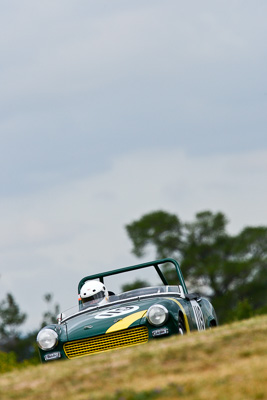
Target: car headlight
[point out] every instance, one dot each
(157, 315)
(47, 339)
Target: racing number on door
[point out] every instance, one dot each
(116, 312)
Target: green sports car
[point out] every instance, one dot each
(104, 320)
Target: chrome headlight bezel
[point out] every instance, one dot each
(47, 339)
(157, 315)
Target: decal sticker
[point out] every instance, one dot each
(125, 322)
(116, 312)
(198, 315)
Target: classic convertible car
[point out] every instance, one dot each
(105, 320)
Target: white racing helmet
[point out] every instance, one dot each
(94, 292)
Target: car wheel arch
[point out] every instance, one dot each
(212, 323)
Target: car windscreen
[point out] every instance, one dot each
(153, 290)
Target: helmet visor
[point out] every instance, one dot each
(96, 298)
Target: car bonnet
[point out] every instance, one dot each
(108, 319)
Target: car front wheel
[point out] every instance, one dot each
(181, 327)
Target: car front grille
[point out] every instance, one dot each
(109, 341)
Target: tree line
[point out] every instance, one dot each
(231, 270)
(18, 349)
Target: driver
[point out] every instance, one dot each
(94, 293)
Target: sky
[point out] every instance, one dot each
(113, 109)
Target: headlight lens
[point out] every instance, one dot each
(47, 339)
(157, 315)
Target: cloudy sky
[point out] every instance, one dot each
(110, 109)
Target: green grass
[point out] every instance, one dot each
(229, 362)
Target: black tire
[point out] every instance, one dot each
(181, 327)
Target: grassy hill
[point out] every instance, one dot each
(229, 362)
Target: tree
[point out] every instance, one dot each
(10, 318)
(228, 269)
(50, 316)
(161, 230)
(12, 341)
